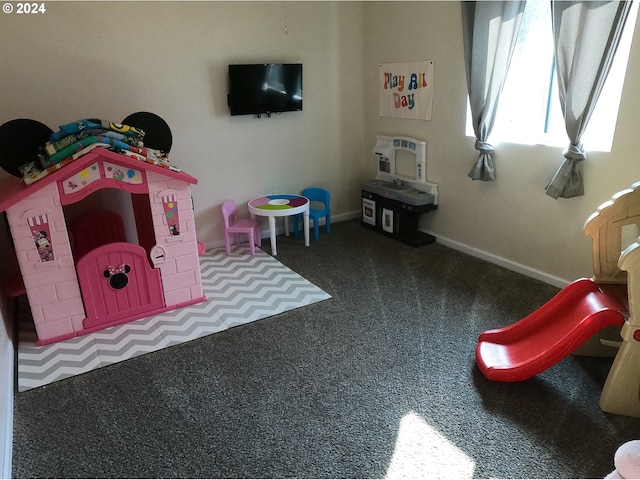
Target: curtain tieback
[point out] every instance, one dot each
(575, 153)
(484, 147)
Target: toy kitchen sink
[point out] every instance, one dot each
(393, 202)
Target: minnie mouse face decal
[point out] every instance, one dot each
(43, 245)
(117, 275)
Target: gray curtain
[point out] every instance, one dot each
(586, 36)
(490, 30)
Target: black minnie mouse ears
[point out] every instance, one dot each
(20, 140)
(157, 133)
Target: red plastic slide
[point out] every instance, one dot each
(549, 334)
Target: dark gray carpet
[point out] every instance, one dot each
(321, 391)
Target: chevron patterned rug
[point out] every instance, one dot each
(240, 288)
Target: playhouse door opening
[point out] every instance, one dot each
(118, 285)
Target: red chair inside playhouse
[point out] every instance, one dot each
(94, 230)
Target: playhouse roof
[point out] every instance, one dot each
(13, 189)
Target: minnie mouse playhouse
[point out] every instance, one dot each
(86, 276)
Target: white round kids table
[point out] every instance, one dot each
(281, 205)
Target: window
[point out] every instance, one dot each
(529, 110)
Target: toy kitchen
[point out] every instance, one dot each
(393, 202)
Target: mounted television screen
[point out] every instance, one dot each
(265, 88)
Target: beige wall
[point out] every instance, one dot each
(510, 220)
(110, 59)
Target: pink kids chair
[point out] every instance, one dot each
(319, 198)
(234, 225)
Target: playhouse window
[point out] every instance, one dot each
(628, 235)
(41, 234)
(529, 110)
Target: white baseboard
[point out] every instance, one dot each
(461, 247)
(489, 257)
(6, 400)
(334, 219)
(346, 216)
(280, 226)
(502, 262)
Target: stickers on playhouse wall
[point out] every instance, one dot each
(123, 174)
(170, 205)
(41, 234)
(91, 173)
(406, 89)
(81, 179)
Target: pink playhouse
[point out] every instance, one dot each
(86, 276)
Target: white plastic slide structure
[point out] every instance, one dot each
(608, 227)
(576, 319)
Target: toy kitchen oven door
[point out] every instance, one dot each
(369, 209)
(375, 215)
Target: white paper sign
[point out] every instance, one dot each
(406, 90)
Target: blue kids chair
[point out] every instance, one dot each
(319, 207)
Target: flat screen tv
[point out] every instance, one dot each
(265, 88)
